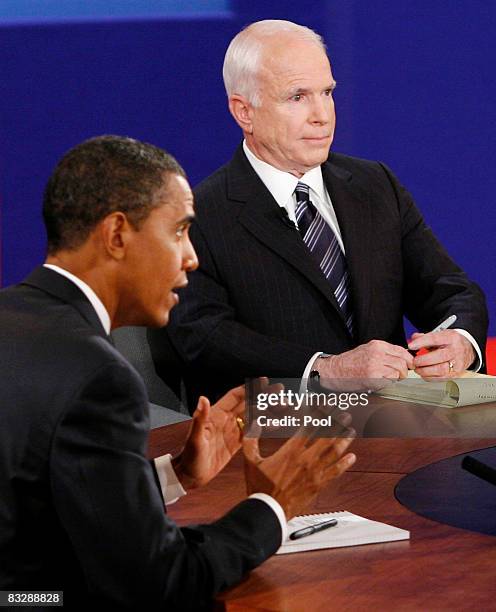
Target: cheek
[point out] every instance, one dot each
(170, 266)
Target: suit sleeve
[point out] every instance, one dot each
(205, 332)
(435, 287)
(105, 494)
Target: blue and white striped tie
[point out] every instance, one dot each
(324, 247)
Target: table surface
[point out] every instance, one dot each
(439, 568)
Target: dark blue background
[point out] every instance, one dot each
(415, 89)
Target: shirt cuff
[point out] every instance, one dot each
(476, 366)
(277, 508)
(172, 489)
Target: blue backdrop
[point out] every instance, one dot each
(415, 89)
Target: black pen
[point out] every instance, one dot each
(306, 531)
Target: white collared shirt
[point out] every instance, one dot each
(95, 301)
(281, 186)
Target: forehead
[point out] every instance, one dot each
(288, 60)
(175, 193)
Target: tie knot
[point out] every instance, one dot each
(302, 192)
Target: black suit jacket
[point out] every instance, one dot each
(79, 507)
(259, 304)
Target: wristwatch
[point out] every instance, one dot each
(314, 376)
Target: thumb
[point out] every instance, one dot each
(200, 416)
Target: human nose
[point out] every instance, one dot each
(190, 259)
(321, 111)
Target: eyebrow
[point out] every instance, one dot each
(187, 219)
(304, 90)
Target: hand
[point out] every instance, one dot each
(213, 439)
(444, 347)
(373, 361)
(298, 471)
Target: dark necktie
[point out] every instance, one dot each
(324, 247)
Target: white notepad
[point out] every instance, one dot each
(351, 530)
(465, 390)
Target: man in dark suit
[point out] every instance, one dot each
(310, 259)
(81, 509)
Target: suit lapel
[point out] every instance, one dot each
(352, 207)
(62, 288)
(265, 220)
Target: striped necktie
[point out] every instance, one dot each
(324, 247)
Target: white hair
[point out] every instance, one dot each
(242, 60)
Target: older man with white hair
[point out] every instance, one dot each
(310, 259)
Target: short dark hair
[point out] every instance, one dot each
(100, 176)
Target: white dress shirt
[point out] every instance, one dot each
(172, 489)
(281, 186)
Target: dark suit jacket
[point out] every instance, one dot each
(79, 507)
(259, 304)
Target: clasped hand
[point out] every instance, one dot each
(379, 361)
(444, 347)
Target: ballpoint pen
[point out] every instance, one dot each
(445, 324)
(306, 531)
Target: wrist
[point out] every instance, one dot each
(321, 369)
(187, 481)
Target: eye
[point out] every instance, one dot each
(180, 231)
(328, 92)
(297, 97)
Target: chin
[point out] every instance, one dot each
(157, 320)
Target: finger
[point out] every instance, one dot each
(200, 418)
(397, 351)
(337, 450)
(436, 357)
(399, 365)
(294, 446)
(433, 339)
(325, 450)
(438, 371)
(233, 400)
(339, 467)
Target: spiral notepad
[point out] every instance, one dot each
(351, 530)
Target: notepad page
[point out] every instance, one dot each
(351, 530)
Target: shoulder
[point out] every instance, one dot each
(358, 167)
(372, 179)
(53, 342)
(212, 187)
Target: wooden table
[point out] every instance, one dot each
(440, 568)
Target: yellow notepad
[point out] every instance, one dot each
(351, 530)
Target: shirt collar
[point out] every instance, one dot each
(282, 184)
(95, 301)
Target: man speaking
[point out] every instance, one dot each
(81, 509)
(308, 259)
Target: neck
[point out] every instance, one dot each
(88, 269)
(265, 155)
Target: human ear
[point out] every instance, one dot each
(241, 111)
(115, 232)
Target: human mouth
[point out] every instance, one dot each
(175, 296)
(317, 139)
